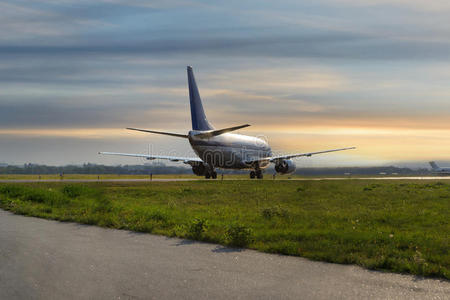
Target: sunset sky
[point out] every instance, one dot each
(308, 75)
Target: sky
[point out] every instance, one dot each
(307, 75)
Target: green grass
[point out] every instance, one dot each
(400, 226)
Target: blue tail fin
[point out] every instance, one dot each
(198, 117)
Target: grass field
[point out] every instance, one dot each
(401, 226)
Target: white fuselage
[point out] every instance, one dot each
(230, 150)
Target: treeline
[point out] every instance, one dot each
(95, 169)
(389, 170)
(160, 168)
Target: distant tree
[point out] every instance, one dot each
(161, 168)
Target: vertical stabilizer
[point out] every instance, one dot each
(198, 117)
(433, 165)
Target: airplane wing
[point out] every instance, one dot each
(281, 157)
(186, 160)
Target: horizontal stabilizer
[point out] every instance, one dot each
(208, 134)
(160, 132)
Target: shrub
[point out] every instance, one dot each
(73, 191)
(47, 210)
(158, 215)
(239, 235)
(102, 205)
(59, 200)
(37, 196)
(33, 194)
(197, 228)
(11, 191)
(178, 230)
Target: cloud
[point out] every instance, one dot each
(344, 46)
(69, 115)
(308, 74)
(431, 6)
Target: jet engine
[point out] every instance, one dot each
(199, 169)
(286, 166)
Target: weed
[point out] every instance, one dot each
(239, 235)
(158, 215)
(47, 210)
(73, 191)
(275, 211)
(12, 191)
(37, 196)
(197, 228)
(102, 205)
(178, 230)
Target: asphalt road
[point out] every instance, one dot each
(200, 178)
(42, 259)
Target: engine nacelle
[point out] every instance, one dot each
(286, 166)
(199, 169)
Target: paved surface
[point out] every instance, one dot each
(200, 178)
(42, 259)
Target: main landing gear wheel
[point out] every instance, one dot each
(212, 175)
(252, 174)
(259, 174)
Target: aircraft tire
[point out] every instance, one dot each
(259, 174)
(214, 175)
(252, 174)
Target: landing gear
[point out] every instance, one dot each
(258, 174)
(210, 174)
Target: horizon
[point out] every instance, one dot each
(307, 76)
(158, 163)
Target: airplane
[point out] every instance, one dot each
(220, 148)
(438, 170)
